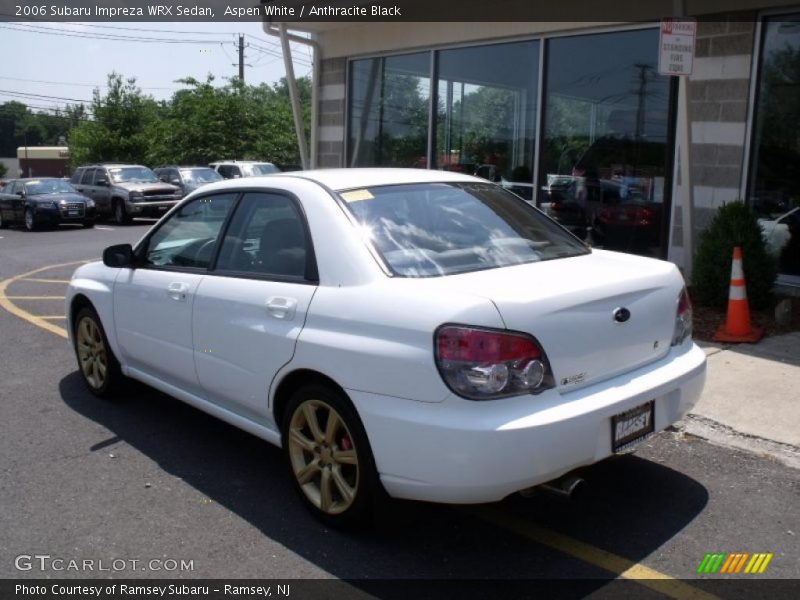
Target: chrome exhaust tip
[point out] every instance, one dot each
(565, 488)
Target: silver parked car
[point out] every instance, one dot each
(123, 192)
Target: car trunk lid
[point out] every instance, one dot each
(576, 308)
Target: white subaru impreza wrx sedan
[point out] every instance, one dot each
(420, 332)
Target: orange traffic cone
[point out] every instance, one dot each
(737, 327)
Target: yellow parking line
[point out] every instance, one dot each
(35, 297)
(7, 304)
(620, 566)
(36, 280)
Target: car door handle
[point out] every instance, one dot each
(177, 291)
(282, 307)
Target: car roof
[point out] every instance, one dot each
(110, 165)
(343, 179)
(241, 162)
(181, 167)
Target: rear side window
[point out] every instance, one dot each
(76, 176)
(434, 229)
(88, 176)
(267, 236)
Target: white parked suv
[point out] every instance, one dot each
(234, 169)
(420, 332)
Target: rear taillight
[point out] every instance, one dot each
(481, 364)
(683, 319)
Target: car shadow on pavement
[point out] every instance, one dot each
(631, 506)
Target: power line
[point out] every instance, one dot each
(278, 54)
(91, 85)
(12, 92)
(28, 18)
(100, 36)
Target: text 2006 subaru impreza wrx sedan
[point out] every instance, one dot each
(423, 331)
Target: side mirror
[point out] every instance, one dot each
(103, 182)
(162, 178)
(118, 256)
(175, 181)
(21, 193)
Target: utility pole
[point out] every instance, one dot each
(241, 58)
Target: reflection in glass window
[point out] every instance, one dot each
(775, 172)
(189, 236)
(435, 229)
(486, 112)
(604, 160)
(389, 99)
(266, 236)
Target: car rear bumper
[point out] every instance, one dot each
(461, 451)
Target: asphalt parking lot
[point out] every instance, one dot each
(147, 478)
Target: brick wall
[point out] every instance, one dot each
(719, 92)
(331, 131)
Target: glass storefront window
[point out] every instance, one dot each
(604, 160)
(389, 102)
(775, 171)
(486, 112)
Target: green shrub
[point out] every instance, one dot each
(733, 225)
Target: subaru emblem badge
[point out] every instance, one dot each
(621, 315)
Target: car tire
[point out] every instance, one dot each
(97, 364)
(3, 223)
(30, 220)
(88, 224)
(331, 464)
(120, 214)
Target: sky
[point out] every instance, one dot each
(68, 60)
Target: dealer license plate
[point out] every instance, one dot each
(72, 213)
(632, 426)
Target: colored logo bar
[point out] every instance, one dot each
(731, 563)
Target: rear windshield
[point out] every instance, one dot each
(434, 229)
(200, 175)
(260, 169)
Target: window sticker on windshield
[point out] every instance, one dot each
(356, 196)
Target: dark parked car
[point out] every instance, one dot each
(125, 191)
(44, 201)
(187, 178)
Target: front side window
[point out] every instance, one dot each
(266, 237)
(434, 229)
(189, 237)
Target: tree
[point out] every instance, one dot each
(203, 123)
(118, 131)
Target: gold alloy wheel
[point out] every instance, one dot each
(92, 352)
(323, 456)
